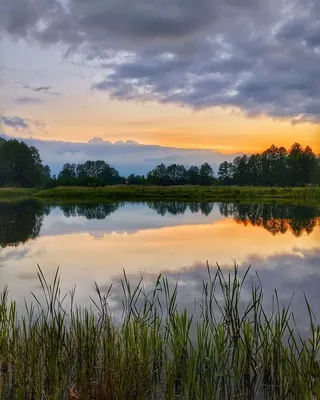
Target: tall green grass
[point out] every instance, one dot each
(293, 195)
(233, 350)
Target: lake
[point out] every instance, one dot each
(97, 242)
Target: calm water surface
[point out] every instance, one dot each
(96, 242)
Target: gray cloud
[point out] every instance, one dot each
(14, 122)
(127, 157)
(262, 57)
(40, 89)
(28, 100)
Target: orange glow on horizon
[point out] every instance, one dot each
(218, 129)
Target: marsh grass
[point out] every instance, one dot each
(60, 195)
(233, 350)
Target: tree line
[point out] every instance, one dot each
(276, 166)
(100, 173)
(21, 166)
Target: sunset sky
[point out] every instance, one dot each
(229, 75)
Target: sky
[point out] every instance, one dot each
(225, 76)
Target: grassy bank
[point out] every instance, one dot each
(309, 195)
(58, 352)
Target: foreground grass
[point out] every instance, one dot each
(297, 195)
(236, 352)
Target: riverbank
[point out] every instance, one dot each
(296, 195)
(231, 350)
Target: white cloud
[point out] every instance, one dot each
(128, 157)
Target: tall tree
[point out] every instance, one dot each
(20, 165)
(295, 164)
(68, 172)
(176, 173)
(206, 174)
(225, 173)
(193, 175)
(309, 164)
(240, 170)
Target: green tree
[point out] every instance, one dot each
(239, 167)
(309, 165)
(68, 172)
(225, 173)
(206, 174)
(316, 175)
(159, 175)
(296, 168)
(193, 175)
(20, 165)
(253, 170)
(176, 173)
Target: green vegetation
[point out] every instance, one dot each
(229, 350)
(274, 167)
(21, 166)
(304, 196)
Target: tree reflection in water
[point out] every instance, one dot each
(22, 221)
(277, 219)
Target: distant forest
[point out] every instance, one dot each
(21, 166)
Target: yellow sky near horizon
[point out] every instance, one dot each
(78, 118)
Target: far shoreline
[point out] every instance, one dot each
(309, 196)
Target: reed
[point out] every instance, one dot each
(229, 350)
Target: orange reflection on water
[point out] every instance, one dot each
(280, 225)
(88, 257)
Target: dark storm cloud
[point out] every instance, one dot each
(260, 56)
(14, 122)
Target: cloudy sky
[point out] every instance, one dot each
(226, 75)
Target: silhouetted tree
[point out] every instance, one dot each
(225, 173)
(21, 165)
(193, 175)
(136, 179)
(206, 174)
(274, 167)
(296, 165)
(68, 172)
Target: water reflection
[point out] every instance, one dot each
(277, 219)
(96, 242)
(100, 211)
(22, 221)
(291, 274)
(175, 208)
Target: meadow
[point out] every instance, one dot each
(294, 195)
(232, 350)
